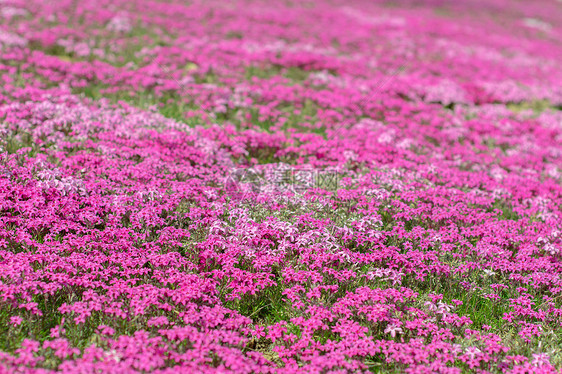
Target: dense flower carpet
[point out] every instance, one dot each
(287, 186)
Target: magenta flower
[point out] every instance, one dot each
(280, 187)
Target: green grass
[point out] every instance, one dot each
(266, 307)
(506, 208)
(293, 74)
(170, 104)
(19, 141)
(537, 106)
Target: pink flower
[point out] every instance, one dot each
(393, 329)
(540, 359)
(106, 330)
(472, 352)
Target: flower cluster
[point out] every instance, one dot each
(256, 187)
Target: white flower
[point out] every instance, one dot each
(113, 355)
(541, 240)
(443, 308)
(396, 277)
(537, 24)
(551, 249)
(217, 228)
(345, 256)
(350, 155)
(489, 273)
(472, 352)
(456, 349)
(430, 306)
(374, 234)
(119, 23)
(540, 359)
(10, 12)
(393, 330)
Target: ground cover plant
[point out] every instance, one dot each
(280, 187)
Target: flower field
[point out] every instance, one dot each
(253, 186)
